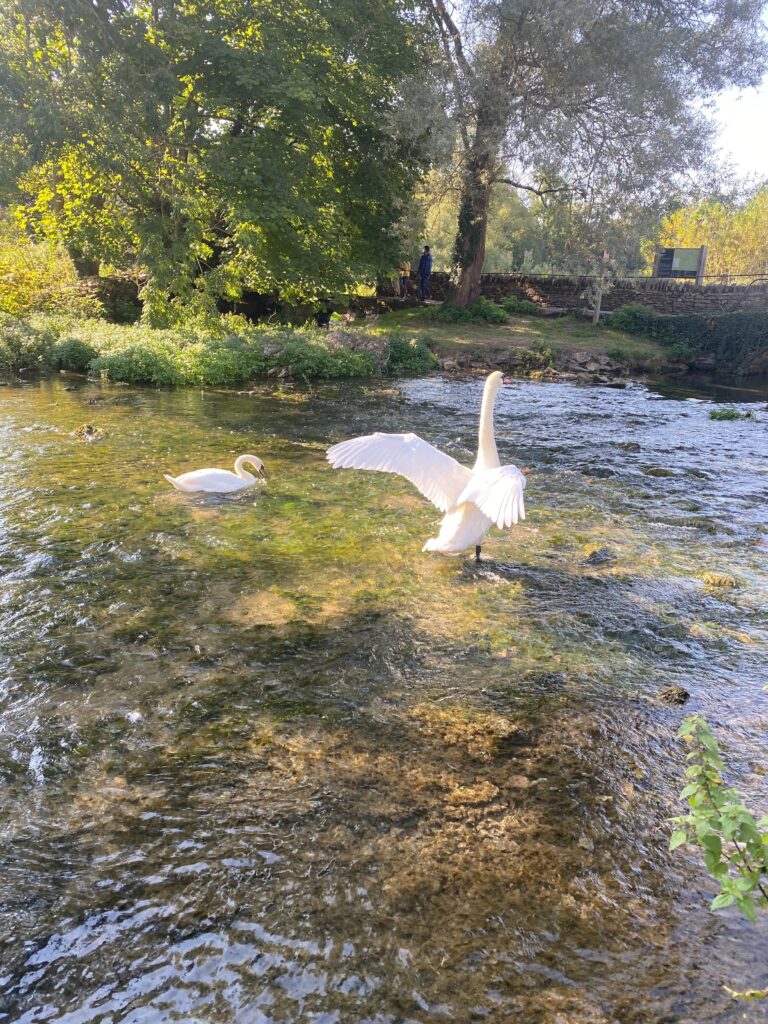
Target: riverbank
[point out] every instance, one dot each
(213, 353)
(231, 351)
(561, 347)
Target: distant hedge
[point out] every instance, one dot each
(737, 341)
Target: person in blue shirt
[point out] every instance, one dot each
(424, 271)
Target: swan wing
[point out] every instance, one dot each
(438, 476)
(498, 493)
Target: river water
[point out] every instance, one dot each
(264, 761)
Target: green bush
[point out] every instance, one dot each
(481, 311)
(204, 353)
(681, 352)
(409, 355)
(738, 341)
(307, 356)
(521, 307)
(74, 355)
(39, 277)
(23, 347)
(634, 318)
(538, 357)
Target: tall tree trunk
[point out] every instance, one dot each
(469, 249)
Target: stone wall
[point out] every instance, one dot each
(662, 295)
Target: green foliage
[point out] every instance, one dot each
(634, 318)
(38, 277)
(217, 147)
(681, 352)
(538, 357)
(74, 355)
(619, 353)
(481, 311)
(409, 355)
(738, 341)
(521, 307)
(734, 843)
(207, 352)
(724, 414)
(734, 231)
(307, 355)
(22, 347)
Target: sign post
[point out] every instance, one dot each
(688, 264)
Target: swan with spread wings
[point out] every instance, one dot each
(472, 499)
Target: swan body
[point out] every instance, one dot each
(220, 481)
(472, 499)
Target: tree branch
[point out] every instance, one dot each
(443, 18)
(540, 192)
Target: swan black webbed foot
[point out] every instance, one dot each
(478, 549)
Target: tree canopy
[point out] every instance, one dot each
(599, 99)
(736, 233)
(214, 147)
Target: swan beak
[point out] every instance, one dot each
(525, 470)
(262, 473)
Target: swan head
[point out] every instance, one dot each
(494, 380)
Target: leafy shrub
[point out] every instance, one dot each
(681, 352)
(39, 277)
(738, 341)
(24, 347)
(308, 356)
(74, 355)
(481, 311)
(634, 318)
(619, 354)
(523, 307)
(409, 355)
(733, 841)
(139, 364)
(538, 357)
(204, 353)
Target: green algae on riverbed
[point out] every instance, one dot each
(265, 761)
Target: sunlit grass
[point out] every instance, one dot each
(562, 334)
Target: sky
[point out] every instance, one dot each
(743, 117)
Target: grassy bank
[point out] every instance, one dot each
(230, 351)
(561, 336)
(225, 352)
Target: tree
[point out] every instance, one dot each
(514, 232)
(576, 94)
(736, 233)
(214, 147)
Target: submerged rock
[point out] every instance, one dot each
(673, 695)
(87, 432)
(719, 581)
(601, 556)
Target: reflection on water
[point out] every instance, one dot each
(263, 761)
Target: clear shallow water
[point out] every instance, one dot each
(263, 761)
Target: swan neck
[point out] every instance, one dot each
(242, 461)
(487, 455)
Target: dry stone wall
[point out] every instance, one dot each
(663, 296)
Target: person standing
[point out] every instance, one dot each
(425, 272)
(405, 278)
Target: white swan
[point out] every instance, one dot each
(473, 499)
(219, 481)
